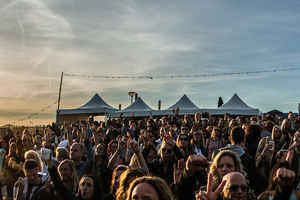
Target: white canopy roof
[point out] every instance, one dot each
(95, 105)
(234, 106)
(139, 107)
(185, 105)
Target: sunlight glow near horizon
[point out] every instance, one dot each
(41, 39)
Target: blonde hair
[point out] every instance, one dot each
(124, 181)
(214, 166)
(74, 176)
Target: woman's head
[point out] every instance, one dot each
(210, 129)
(116, 178)
(165, 151)
(205, 134)
(12, 149)
(67, 172)
(276, 133)
(89, 188)
(225, 162)
(216, 132)
(100, 150)
(233, 123)
(127, 177)
(148, 187)
(197, 138)
(112, 147)
(183, 140)
(27, 141)
(286, 125)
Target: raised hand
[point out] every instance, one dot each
(196, 163)
(284, 177)
(168, 139)
(209, 194)
(47, 186)
(134, 146)
(178, 169)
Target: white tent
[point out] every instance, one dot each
(185, 105)
(234, 106)
(139, 107)
(95, 106)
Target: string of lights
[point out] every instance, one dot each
(183, 76)
(35, 114)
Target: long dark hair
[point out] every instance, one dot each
(97, 187)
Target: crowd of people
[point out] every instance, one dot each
(182, 157)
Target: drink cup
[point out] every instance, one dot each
(271, 145)
(45, 154)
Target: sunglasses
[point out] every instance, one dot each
(183, 139)
(284, 150)
(234, 188)
(168, 150)
(277, 131)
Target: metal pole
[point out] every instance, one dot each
(59, 95)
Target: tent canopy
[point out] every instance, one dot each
(95, 105)
(139, 107)
(185, 105)
(234, 106)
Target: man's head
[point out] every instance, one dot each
(236, 186)
(237, 135)
(205, 122)
(31, 169)
(185, 128)
(76, 152)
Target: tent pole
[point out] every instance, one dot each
(59, 95)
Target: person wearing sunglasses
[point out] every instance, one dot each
(183, 141)
(197, 143)
(163, 167)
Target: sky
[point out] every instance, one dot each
(139, 38)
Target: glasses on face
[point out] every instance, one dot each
(234, 188)
(278, 131)
(184, 129)
(183, 139)
(168, 150)
(284, 150)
